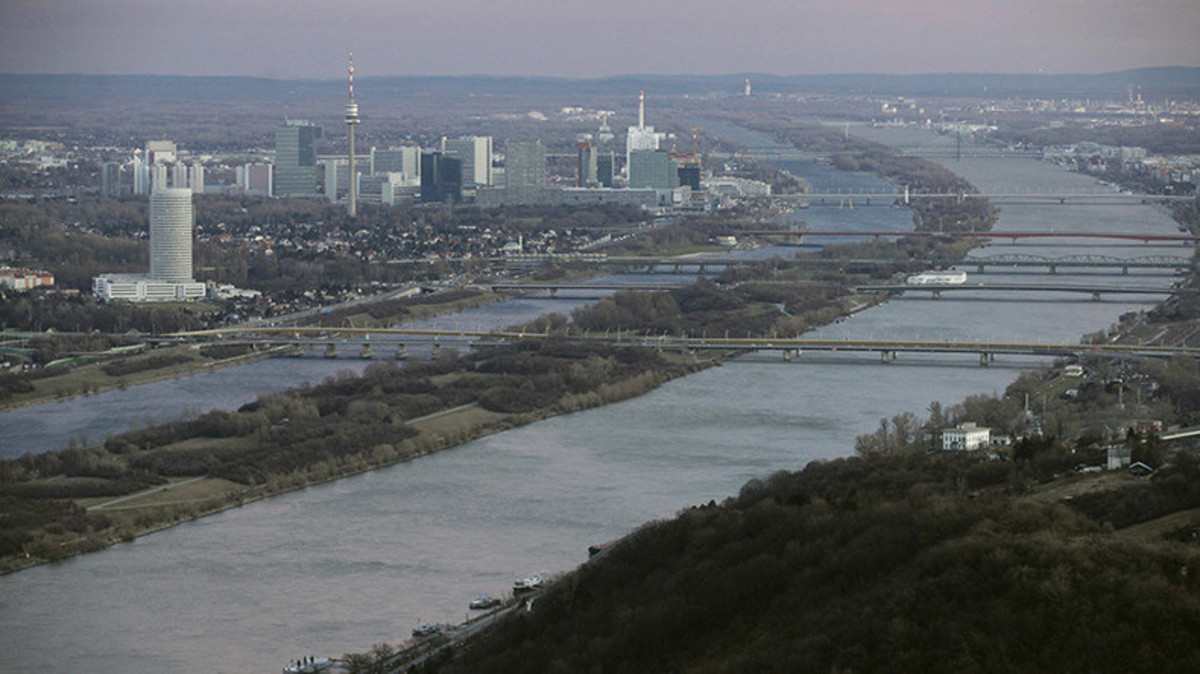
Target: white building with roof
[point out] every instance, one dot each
(966, 436)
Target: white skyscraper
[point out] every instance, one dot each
(170, 277)
(141, 176)
(640, 137)
(171, 235)
(476, 155)
(196, 178)
(158, 177)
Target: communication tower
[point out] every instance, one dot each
(351, 122)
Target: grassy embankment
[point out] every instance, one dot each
(74, 501)
(171, 362)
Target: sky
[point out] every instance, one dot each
(569, 38)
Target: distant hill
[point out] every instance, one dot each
(1176, 82)
(907, 564)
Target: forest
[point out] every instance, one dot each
(880, 564)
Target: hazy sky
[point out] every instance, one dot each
(310, 38)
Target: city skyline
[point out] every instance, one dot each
(306, 39)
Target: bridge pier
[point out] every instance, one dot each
(1096, 296)
(985, 358)
(937, 294)
(887, 356)
(1053, 269)
(401, 352)
(554, 292)
(366, 351)
(331, 350)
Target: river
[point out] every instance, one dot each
(341, 566)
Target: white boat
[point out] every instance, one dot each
(937, 278)
(528, 584)
(484, 601)
(308, 665)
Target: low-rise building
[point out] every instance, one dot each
(966, 436)
(143, 288)
(1119, 457)
(15, 278)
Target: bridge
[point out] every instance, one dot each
(1010, 261)
(937, 289)
(851, 199)
(790, 347)
(801, 234)
(916, 151)
(580, 287)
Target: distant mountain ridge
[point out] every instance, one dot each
(1157, 82)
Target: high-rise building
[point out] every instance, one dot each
(381, 188)
(337, 179)
(475, 152)
(296, 159)
(170, 277)
(587, 172)
(141, 176)
(196, 178)
(441, 178)
(390, 160)
(161, 152)
(110, 179)
(640, 137)
(158, 177)
(524, 171)
(171, 234)
(652, 168)
(405, 160)
(605, 163)
(256, 178)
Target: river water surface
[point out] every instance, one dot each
(341, 566)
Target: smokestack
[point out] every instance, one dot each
(641, 110)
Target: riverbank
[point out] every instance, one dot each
(91, 379)
(284, 444)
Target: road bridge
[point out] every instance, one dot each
(937, 289)
(1050, 264)
(801, 234)
(851, 199)
(554, 288)
(790, 347)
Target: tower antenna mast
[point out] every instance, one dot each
(351, 122)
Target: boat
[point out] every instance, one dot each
(308, 665)
(937, 278)
(484, 601)
(427, 629)
(528, 584)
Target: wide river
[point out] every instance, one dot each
(345, 565)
